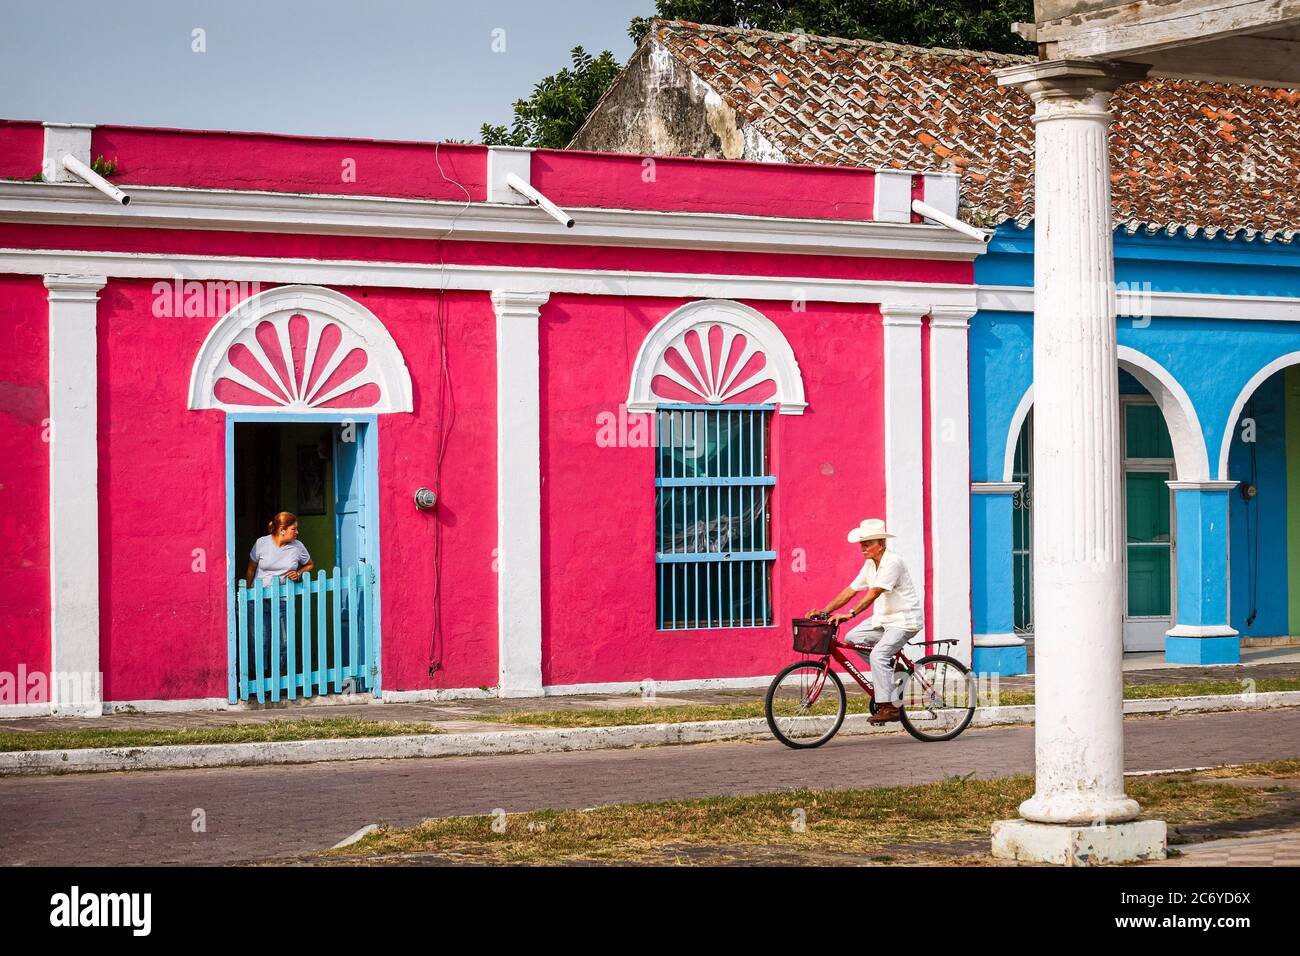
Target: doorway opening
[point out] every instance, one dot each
(1150, 551)
(324, 638)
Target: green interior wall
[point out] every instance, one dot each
(315, 531)
(1292, 414)
(274, 447)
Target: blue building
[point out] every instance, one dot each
(1209, 371)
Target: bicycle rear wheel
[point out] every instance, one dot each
(939, 696)
(805, 705)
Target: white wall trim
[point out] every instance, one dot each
(501, 162)
(1187, 305)
(1210, 485)
(950, 477)
(182, 208)
(1256, 380)
(1185, 434)
(904, 454)
(1200, 630)
(74, 493)
(64, 139)
(892, 195)
(361, 328)
(401, 275)
(995, 487)
(761, 334)
(519, 493)
(1013, 433)
(999, 640)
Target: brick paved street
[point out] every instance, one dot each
(260, 812)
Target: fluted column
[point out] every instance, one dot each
(1078, 537)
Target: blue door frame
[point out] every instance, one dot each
(368, 451)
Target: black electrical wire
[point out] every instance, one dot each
(446, 410)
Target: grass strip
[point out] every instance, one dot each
(803, 821)
(857, 704)
(242, 733)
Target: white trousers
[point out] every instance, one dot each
(885, 644)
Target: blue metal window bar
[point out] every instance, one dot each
(713, 556)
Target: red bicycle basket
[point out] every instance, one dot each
(813, 637)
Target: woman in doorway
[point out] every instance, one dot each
(278, 554)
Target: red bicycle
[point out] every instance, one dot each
(806, 702)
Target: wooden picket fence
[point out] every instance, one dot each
(324, 630)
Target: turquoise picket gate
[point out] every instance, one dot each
(324, 632)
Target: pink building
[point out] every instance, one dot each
(647, 432)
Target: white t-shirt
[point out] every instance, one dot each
(898, 606)
(274, 561)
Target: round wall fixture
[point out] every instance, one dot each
(425, 499)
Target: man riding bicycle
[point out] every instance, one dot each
(896, 612)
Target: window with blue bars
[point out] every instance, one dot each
(713, 516)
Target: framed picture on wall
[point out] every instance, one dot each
(311, 481)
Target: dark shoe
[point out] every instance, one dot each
(885, 713)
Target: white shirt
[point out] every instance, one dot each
(898, 606)
(275, 561)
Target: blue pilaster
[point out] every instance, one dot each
(1201, 634)
(998, 649)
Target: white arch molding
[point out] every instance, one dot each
(1256, 380)
(716, 352)
(300, 350)
(1191, 460)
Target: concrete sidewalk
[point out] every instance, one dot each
(474, 716)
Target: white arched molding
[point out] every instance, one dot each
(300, 349)
(1190, 457)
(1256, 380)
(720, 352)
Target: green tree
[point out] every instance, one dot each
(558, 104)
(561, 102)
(964, 24)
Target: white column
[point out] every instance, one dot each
(1078, 537)
(519, 494)
(75, 681)
(950, 476)
(904, 462)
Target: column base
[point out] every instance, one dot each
(1192, 644)
(1070, 845)
(1003, 654)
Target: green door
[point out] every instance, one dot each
(1148, 521)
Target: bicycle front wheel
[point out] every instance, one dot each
(805, 704)
(939, 696)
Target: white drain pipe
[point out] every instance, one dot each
(82, 171)
(952, 222)
(526, 190)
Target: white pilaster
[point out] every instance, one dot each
(502, 161)
(75, 681)
(950, 477)
(1078, 538)
(893, 196)
(904, 460)
(519, 494)
(63, 139)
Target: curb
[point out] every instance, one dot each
(194, 756)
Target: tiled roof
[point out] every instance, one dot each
(1185, 155)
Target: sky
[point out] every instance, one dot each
(387, 69)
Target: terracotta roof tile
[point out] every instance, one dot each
(1186, 155)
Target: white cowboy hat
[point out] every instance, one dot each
(869, 530)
